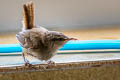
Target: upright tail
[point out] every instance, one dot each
(28, 22)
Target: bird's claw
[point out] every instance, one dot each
(28, 64)
(51, 62)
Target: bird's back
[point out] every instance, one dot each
(32, 38)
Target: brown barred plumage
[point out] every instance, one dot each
(28, 15)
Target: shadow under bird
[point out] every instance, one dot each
(37, 41)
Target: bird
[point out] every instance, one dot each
(37, 41)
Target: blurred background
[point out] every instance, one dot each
(83, 19)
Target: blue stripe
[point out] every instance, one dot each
(71, 45)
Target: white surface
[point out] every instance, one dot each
(61, 58)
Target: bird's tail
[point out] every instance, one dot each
(28, 21)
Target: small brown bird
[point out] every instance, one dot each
(38, 41)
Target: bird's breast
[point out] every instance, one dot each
(42, 54)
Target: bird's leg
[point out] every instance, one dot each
(25, 60)
(50, 62)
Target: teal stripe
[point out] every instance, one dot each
(71, 45)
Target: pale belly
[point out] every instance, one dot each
(37, 53)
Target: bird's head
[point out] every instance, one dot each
(58, 38)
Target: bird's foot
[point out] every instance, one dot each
(51, 63)
(28, 64)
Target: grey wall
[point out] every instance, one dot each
(61, 13)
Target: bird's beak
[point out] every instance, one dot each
(68, 39)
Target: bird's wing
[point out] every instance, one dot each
(24, 40)
(30, 39)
